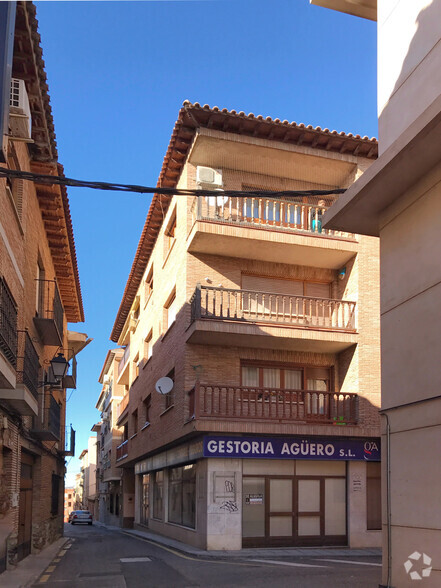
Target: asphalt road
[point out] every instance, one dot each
(100, 558)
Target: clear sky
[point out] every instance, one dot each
(118, 73)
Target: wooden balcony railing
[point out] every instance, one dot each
(122, 450)
(209, 302)
(272, 404)
(289, 213)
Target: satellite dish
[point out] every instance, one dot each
(164, 385)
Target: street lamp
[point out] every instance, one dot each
(59, 365)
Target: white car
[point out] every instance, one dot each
(80, 516)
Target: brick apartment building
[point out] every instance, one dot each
(109, 437)
(268, 327)
(39, 294)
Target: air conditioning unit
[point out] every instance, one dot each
(19, 110)
(208, 177)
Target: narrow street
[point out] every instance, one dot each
(98, 557)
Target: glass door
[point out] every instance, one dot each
(281, 510)
(309, 510)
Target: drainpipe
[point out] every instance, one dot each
(388, 507)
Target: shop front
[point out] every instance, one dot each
(234, 492)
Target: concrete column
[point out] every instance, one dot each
(224, 504)
(358, 535)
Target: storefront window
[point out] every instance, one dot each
(182, 496)
(373, 495)
(158, 487)
(145, 499)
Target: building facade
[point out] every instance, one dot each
(266, 328)
(399, 200)
(69, 502)
(110, 436)
(39, 294)
(88, 459)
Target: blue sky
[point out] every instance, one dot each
(118, 73)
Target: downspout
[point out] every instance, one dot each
(388, 506)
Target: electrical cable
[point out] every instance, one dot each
(63, 181)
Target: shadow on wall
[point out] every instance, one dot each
(417, 50)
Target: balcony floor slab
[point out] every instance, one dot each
(266, 336)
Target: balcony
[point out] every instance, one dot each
(24, 397)
(48, 427)
(124, 367)
(275, 405)
(224, 316)
(50, 313)
(121, 409)
(287, 230)
(122, 450)
(8, 337)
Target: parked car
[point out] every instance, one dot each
(80, 516)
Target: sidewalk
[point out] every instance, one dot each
(248, 553)
(28, 570)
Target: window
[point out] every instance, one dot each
(170, 233)
(182, 496)
(170, 397)
(158, 486)
(272, 377)
(373, 495)
(148, 285)
(145, 499)
(135, 421)
(146, 407)
(55, 500)
(148, 346)
(15, 185)
(170, 310)
(136, 367)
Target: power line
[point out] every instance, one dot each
(62, 181)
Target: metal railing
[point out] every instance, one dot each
(49, 303)
(28, 363)
(293, 214)
(209, 302)
(8, 324)
(48, 425)
(273, 404)
(122, 450)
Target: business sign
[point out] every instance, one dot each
(326, 448)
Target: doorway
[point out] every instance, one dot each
(293, 511)
(25, 507)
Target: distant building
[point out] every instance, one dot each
(69, 502)
(266, 326)
(109, 437)
(88, 475)
(39, 295)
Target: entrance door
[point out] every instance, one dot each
(25, 508)
(293, 510)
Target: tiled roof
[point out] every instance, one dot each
(194, 116)
(28, 65)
